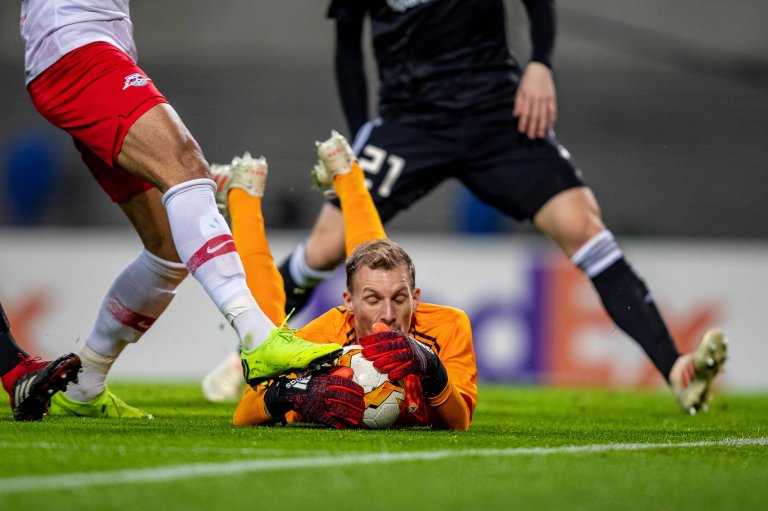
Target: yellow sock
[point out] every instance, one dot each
(261, 274)
(361, 220)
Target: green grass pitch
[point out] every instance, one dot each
(528, 448)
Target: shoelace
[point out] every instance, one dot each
(287, 332)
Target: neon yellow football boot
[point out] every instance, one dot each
(284, 353)
(106, 406)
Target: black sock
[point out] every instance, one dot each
(296, 297)
(631, 306)
(9, 350)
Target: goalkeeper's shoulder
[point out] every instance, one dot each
(434, 313)
(333, 326)
(430, 316)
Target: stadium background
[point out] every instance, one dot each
(662, 104)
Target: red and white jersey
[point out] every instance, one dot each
(52, 28)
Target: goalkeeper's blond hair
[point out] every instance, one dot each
(381, 254)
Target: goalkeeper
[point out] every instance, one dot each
(429, 346)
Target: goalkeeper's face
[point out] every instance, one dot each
(381, 295)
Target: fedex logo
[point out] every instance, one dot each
(561, 334)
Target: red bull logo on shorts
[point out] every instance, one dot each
(135, 80)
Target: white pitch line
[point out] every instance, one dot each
(191, 470)
(124, 448)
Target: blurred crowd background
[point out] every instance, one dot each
(662, 104)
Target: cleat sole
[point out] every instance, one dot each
(326, 360)
(322, 362)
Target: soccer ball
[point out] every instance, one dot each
(383, 398)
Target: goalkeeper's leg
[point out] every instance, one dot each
(337, 166)
(243, 183)
(361, 219)
(250, 236)
(336, 231)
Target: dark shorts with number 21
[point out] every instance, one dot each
(404, 160)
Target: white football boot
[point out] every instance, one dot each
(691, 376)
(334, 157)
(246, 173)
(225, 381)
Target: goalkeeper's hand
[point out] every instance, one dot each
(326, 398)
(398, 355)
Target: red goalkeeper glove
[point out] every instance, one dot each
(329, 399)
(398, 355)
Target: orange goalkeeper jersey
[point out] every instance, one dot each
(445, 330)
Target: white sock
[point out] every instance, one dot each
(252, 320)
(303, 274)
(205, 244)
(92, 378)
(137, 297)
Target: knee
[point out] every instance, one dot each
(575, 231)
(575, 236)
(571, 219)
(192, 163)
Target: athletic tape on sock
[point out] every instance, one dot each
(597, 254)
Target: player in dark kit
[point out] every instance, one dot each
(454, 103)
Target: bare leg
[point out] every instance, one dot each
(148, 216)
(572, 220)
(325, 244)
(160, 149)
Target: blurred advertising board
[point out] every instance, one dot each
(535, 318)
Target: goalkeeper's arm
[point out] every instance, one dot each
(324, 398)
(251, 411)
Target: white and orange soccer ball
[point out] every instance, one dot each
(383, 398)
